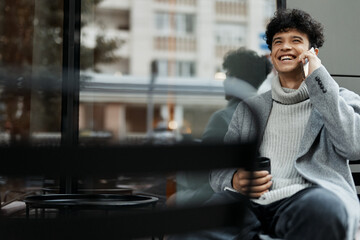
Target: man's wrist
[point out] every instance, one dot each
(232, 180)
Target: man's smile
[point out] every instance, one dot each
(287, 57)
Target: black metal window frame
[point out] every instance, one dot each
(71, 73)
(70, 84)
(281, 4)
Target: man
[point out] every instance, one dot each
(309, 127)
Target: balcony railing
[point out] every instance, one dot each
(178, 2)
(233, 8)
(178, 44)
(221, 50)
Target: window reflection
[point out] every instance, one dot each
(230, 34)
(180, 23)
(151, 72)
(157, 77)
(30, 82)
(187, 39)
(30, 75)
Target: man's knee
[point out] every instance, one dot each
(324, 205)
(317, 214)
(321, 213)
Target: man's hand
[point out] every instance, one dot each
(252, 184)
(312, 58)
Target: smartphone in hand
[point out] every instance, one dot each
(306, 65)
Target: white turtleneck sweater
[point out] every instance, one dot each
(284, 131)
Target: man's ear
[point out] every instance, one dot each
(316, 50)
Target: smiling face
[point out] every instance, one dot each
(286, 48)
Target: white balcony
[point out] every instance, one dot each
(115, 4)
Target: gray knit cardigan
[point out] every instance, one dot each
(331, 139)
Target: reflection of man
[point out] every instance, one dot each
(309, 129)
(245, 71)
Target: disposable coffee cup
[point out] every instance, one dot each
(263, 163)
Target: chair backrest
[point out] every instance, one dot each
(355, 170)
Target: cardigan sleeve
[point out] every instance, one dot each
(340, 109)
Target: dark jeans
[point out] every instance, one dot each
(313, 213)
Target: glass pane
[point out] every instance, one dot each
(153, 72)
(30, 82)
(125, 99)
(31, 66)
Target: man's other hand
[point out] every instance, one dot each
(254, 184)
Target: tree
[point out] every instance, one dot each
(31, 38)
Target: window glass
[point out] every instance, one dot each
(151, 72)
(162, 22)
(230, 34)
(186, 42)
(160, 77)
(30, 75)
(184, 23)
(31, 43)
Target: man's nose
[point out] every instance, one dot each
(286, 46)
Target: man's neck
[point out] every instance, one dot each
(290, 80)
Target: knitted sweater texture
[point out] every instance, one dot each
(284, 131)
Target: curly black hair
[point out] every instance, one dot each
(247, 65)
(286, 19)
